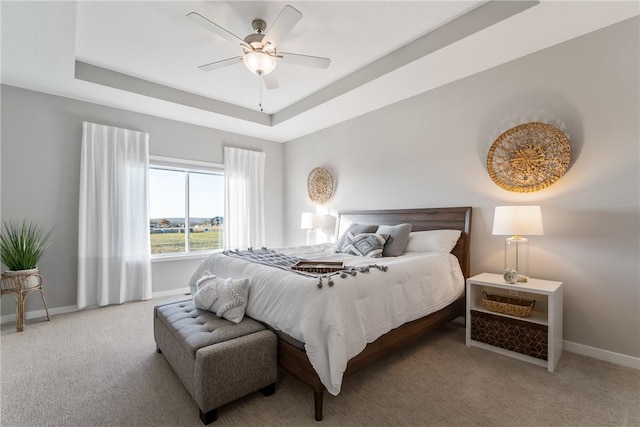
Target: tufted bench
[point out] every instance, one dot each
(218, 361)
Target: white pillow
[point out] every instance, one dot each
(225, 297)
(432, 241)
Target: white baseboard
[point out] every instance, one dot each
(183, 291)
(35, 314)
(607, 356)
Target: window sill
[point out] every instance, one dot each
(182, 257)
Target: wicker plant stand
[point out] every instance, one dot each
(21, 284)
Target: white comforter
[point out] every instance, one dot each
(337, 322)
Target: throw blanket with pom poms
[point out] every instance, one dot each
(272, 258)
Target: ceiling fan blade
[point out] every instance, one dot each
(271, 81)
(306, 60)
(219, 64)
(213, 27)
(287, 19)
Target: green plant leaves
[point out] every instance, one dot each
(23, 244)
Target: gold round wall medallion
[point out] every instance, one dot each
(529, 157)
(320, 185)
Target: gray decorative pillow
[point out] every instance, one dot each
(355, 228)
(225, 297)
(365, 244)
(398, 238)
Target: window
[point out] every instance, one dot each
(186, 206)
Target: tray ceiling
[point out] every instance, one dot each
(143, 55)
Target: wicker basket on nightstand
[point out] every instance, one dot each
(519, 307)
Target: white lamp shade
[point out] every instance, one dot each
(517, 221)
(309, 221)
(328, 222)
(259, 63)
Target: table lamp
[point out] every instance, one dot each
(329, 227)
(517, 221)
(311, 222)
(317, 226)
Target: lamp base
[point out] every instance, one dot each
(312, 236)
(516, 257)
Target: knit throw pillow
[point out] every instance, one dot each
(365, 244)
(226, 298)
(354, 228)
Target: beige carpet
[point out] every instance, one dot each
(100, 367)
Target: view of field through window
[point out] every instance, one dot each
(173, 228)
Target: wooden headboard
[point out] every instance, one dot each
(458, 218)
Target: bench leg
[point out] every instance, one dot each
(212, 415)
(209, 417)
(268, 390)
(317, 398)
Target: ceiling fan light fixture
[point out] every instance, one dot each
(259, 63)
(259, 50)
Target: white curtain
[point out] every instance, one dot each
(244, 198)
(114, 262)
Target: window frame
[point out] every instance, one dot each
(187, 166)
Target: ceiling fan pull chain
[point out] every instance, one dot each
(260, 93)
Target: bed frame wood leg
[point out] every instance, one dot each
(317, 397)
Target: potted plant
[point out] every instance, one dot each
(21, 247)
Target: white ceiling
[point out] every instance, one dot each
(143, 55)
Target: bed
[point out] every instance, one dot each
(343, 323)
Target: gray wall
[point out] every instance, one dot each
(426, 151)
(431, 151)
(41, 140)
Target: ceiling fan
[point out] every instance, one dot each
(259, 50)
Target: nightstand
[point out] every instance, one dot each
(536, 339)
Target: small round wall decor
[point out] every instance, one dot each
(529, 157)
(320, 185)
